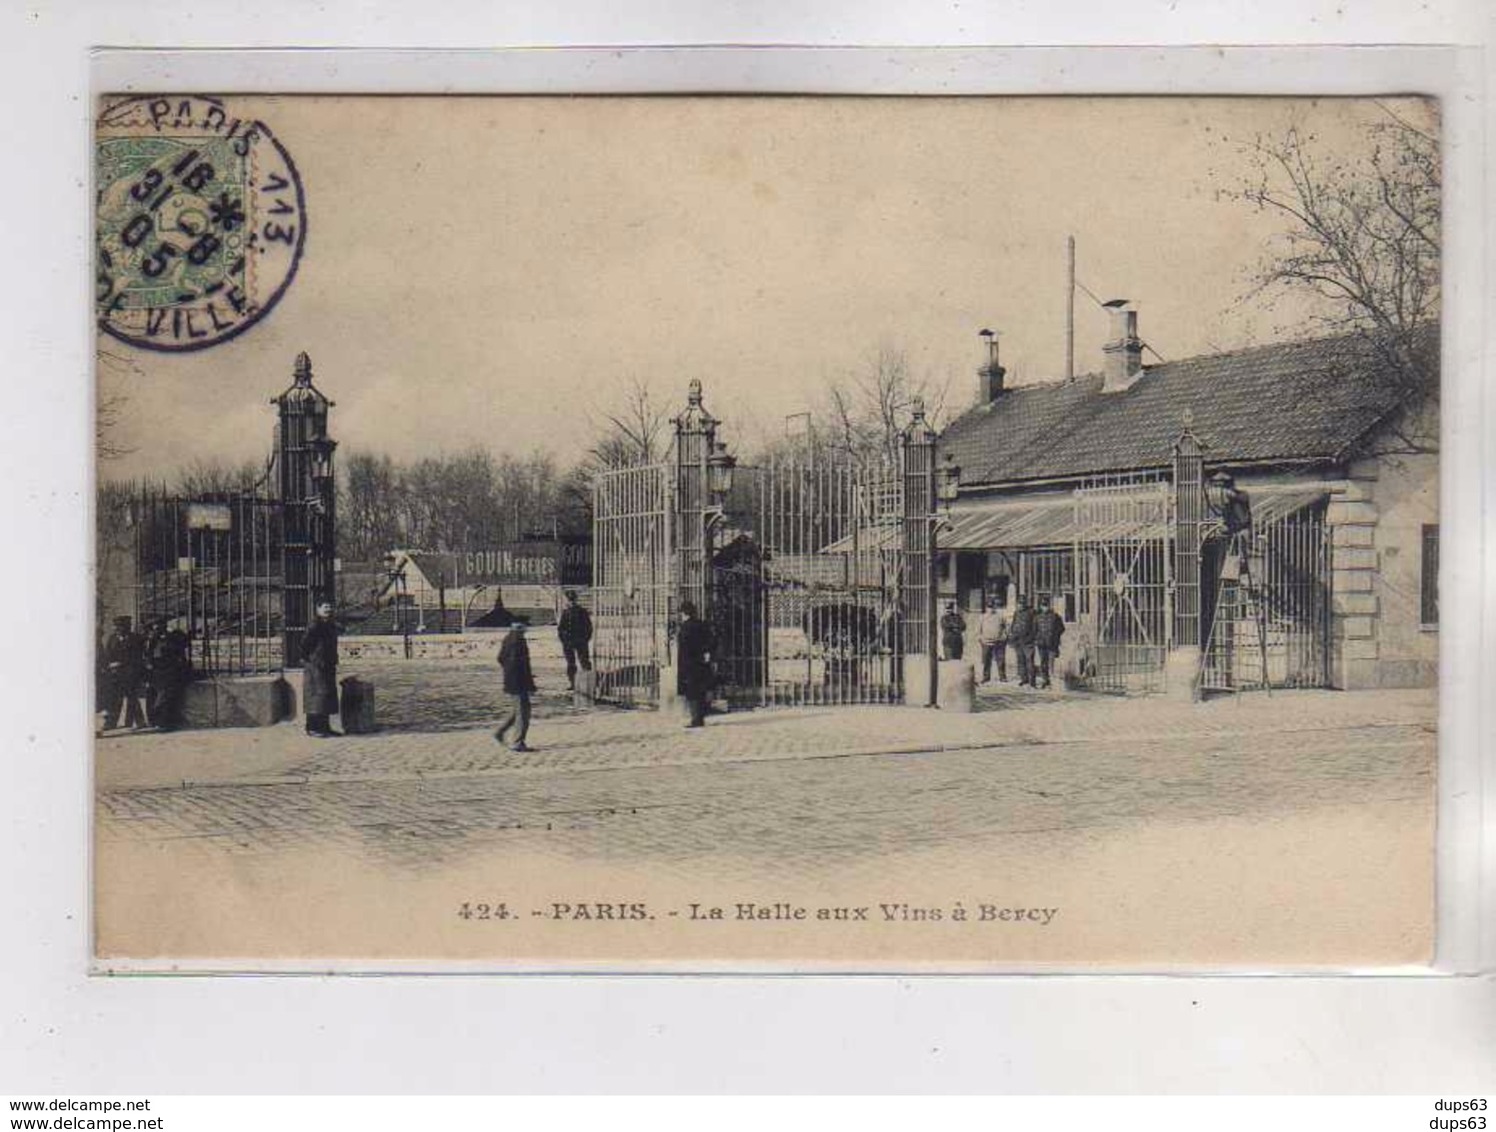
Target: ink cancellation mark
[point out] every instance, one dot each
(200, 221)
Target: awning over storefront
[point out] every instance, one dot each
(1269, 505)
(1056, 521)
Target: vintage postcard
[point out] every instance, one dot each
(766, 532)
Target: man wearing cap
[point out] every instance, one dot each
(124, 675)
(992, 635)
(1049, 627)
(519, 682)
(167, 656)
(319, 673)
(1021, 637)
(575, 630)
(694, 676)
(1236, 510)
(953, 632)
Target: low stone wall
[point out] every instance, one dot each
(239, 701)
(472, 645)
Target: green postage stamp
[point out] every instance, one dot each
(201, 221)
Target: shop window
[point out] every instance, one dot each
(1429, 580)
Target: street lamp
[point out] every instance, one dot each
(719, 470)
(719, 475)
(322, 447)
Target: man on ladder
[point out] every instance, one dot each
(1235, 511)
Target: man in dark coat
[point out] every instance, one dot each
(953, 632)
(519, 683)
(319, 673)
(575, 630)
(170, 668)
(124, 675)
(694, 677)
(1021, 637)
(1049, 627)
(1236, 508)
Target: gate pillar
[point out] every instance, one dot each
(695, 441)
(917, 596)
(304, 455)
(1182, 667)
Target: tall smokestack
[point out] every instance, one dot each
(1070, 311)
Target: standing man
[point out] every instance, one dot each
(124, 675)
(519, 682)
(171, 668)
(953, 632)
(575, 630)
(1021, 637)
(992, 635)
(694, 677)
(1049, 627)
(319, 674)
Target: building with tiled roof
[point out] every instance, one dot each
(1067, 491)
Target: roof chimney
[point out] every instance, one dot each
(1124, 350)
(990, 376)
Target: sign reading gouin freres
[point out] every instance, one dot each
(200, 221)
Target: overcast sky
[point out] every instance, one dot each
(492, 270)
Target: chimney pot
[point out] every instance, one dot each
(1123, 352)
(990, 376)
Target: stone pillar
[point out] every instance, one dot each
(1354, 606)
(957, 690)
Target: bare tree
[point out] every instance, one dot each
(1362, 238)
(633, 430)
(206, 477)
(864, 414)
(113, 370)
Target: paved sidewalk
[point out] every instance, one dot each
(565, 739)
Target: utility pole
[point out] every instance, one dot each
(1070, 309)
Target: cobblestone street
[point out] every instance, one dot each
(798, 795)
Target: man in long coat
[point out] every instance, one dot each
(319, 673)
(953, 632)
(1049, 627)
(171, 668)
(574, 627)
(124, 675)
(694, 677)
(519, 683)
(1021, 637)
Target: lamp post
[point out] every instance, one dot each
(921, 518)
(703, 479)
(305, 459)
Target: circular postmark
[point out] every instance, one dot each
(200, 221)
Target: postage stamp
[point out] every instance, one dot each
(201, 221)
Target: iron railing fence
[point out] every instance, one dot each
(212, 566)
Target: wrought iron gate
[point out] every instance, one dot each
(806, 586)
(212, 566)
(1123, 581)
(1266, 606)
(803, 589)
(633, 586)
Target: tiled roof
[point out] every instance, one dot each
(1299, 401)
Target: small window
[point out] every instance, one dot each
(1429, 581)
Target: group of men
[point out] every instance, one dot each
(1033, 634)
(142, 678)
